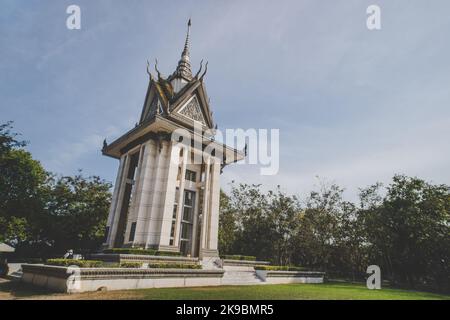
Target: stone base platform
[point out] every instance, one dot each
(73, 280)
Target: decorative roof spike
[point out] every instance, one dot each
(199, 70)
(148, 70)
(204, 72)
(156, 69)
(186, 44)
(184, 65)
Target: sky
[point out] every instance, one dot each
(353, 106)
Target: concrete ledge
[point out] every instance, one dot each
(230, 262)
(280, 277)
(118, 258)
(64, 279)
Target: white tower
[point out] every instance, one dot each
(162, 199)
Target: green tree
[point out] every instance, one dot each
(77, 211)
(42, 214)
(409, 230)
(22, 180)
(227, 225)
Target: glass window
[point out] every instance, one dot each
(174, 217)
(172, 231)
(189, 198)
(187, 222)
(132, 231)
(187, 214)
(191, 175)
(186, 231)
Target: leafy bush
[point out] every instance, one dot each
(148, 252)
(73, 262)
(280, 268)
(130, 265)
(174, 266)
(239, 257)
(168, 253)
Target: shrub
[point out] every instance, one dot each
(239, 257)
(174, 266)
(130, 265)
(73, 262)
(167, 253)
(280, 268)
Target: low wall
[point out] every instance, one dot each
(280, 277)
(64, 279)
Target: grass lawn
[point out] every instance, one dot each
(328, 291)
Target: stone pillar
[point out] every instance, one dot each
(142, 191)
(118, 205)
(159, 184)
(214, 190)
(114, 201)
(180, 199)
(207, 219)
(168, 198)
(149, 167)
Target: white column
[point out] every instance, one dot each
(180, 199)
(114, 199)
(143, 184)
(158, 186)
(205, 210)
(168, 198)
(118, 207)
(214, 206)
(148, 190)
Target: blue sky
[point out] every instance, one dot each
(353, 106)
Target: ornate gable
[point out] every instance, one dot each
(192, 110)
(181, 97)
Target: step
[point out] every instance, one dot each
(240, 276)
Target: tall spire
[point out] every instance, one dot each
(184, 65)
(186, 44)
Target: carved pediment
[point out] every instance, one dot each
(192, 110)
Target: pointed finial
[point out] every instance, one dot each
(204, 72)
(199, 70)
(156, 69)
(186, 44)
(148, 70)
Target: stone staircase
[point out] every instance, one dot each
(240, 275)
